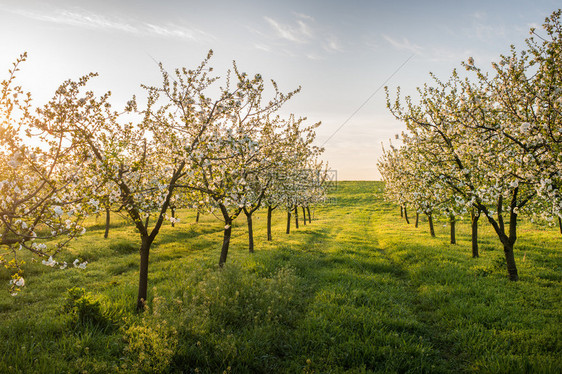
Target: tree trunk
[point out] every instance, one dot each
(225, 242)
(474, 237)
(173, 216)
(401, 211)
(146, 242)
(453, 231)
(250, 233)
(269, 211)
(417, 219)
(510, 260)
(508, 241)
(310, 218)
(560, 224)
(197, 217)
(406, 215)
(296, 217)
(304, 215)
(508, 249)
(288, 221)
(107, 220)
(430, 220)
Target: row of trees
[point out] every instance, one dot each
(488, 143)
(192, 143)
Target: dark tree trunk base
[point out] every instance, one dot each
(107, 221)
(510, 260)
(225, 243)
(431, 229)
(269, 211)
(250, 233)
(453, 231)
(406, 215)
(474, 234)
(143, 273)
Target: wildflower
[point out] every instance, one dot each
(50, 262)
(58, 210)
(79, 265)
(18, 282)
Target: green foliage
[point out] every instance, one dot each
(233, 299)
(228, 314)
(150, 345)
(87, 310)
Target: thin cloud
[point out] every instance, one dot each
(432, 52)
(487, 32)
(332, 44)
(79, 19)
(174, 31)
(479, 15)
(485, 29)
(262, 47)
(304, 16)
(89, 20)
(404, 45)
(314, 56)
(301, 34)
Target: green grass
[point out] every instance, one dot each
(356, 291)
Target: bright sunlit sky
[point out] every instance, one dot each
(340, 52)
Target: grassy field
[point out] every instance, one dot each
(356, 291)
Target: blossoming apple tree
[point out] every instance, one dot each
(136, 159)
(41, 202)
(232, 164)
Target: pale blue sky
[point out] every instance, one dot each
(340, 52)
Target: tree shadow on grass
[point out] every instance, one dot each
(100, 226)
(184, 234)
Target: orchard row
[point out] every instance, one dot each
(195, 142)
(485, 144)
